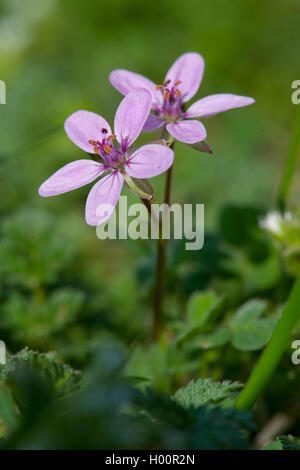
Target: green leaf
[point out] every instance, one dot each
(8, 411)
(218, 338)
(205, 427)
(284, 443)
(254, 335)
(289, 443)
(248, 311)
(201, 391)
(249, 331)
(220, 428)
(202, 307)
(275, 445)
(64, 379)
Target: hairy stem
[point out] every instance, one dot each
(159, 289)
(160, 267)
(273, 352)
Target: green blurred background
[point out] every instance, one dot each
(55, 58)
(63, 289)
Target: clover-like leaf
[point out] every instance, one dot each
(202, 307)
(249, 330)
(216, 339)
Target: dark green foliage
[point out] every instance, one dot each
(31, 252)
(289, 443)
(109, 413)
(62, 378)
(201, 391)
(284, 443)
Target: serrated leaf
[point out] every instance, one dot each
(201, 391)
(64, 379)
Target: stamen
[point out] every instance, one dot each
(167, 95)
(166, 82)
(95, 145)
(104, 131)
(111, 137)
(158, 87)
(177, 92)
(178, 82)
(107, 149)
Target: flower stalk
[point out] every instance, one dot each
(273, 352)
(161, 259)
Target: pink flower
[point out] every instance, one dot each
(92, 133)
(180, 85)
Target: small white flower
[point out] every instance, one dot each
(272, 222)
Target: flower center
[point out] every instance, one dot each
(172, 102)
(105, 148)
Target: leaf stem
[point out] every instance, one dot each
(273, 352)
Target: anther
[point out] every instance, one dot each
(95, 145)
(158, 87)
(178, 82)
(166, 95)
(178, 92)
(104, 131)
(166, 82)
(107, 149)
(111, 137)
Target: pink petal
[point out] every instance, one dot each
(188, 131)
(150, 160)
(153, 122)
(83, 126)
(125, 81)
(188, 68)
(218, 103)
(131, 116)
(103, 198)
(71, 176)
